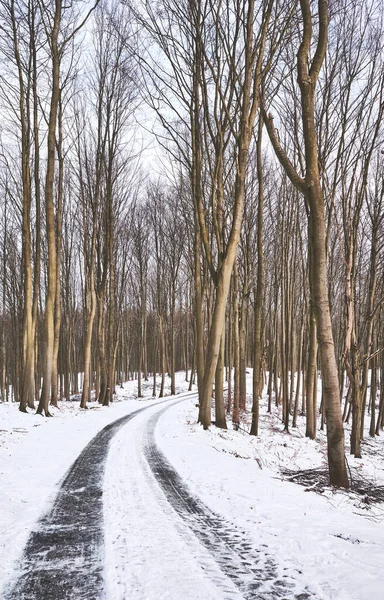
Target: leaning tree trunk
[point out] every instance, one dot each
(253, 51)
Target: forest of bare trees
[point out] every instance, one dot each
(195, 186)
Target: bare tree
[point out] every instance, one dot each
(308, 69)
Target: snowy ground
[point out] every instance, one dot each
(331, 545)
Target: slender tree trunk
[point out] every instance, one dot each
(162, 356)
(380, 416)
(229, 354)
(310, 378)
(27, 383)
(242, 349)
(110, 363)
(3, 376)
(298, 380)
(172, 342)
(356, 401)
(59, 224)
(219, 389)
(236, 354)
(49, 332)
(256, 387)
(89, 329)
(155, 366)
(373, 397)
(101, 347)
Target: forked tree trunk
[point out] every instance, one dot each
(308, 69)
(253, 51)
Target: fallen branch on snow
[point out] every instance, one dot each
(317, 480)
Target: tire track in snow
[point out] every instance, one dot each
(251, 569)
(63, 558)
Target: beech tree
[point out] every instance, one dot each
(308, 69)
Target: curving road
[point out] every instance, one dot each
(123, 528)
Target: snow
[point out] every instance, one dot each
(339, 553)
(330, 544)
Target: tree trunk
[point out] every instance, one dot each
(256, 387)
(219, 389)
(242, 349)
(49, 333)
(236, 354)
(298, 380)
(59, 224)
(310, 378)
(308, 69)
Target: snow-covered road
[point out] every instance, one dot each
(125, 525)
(155, 507)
